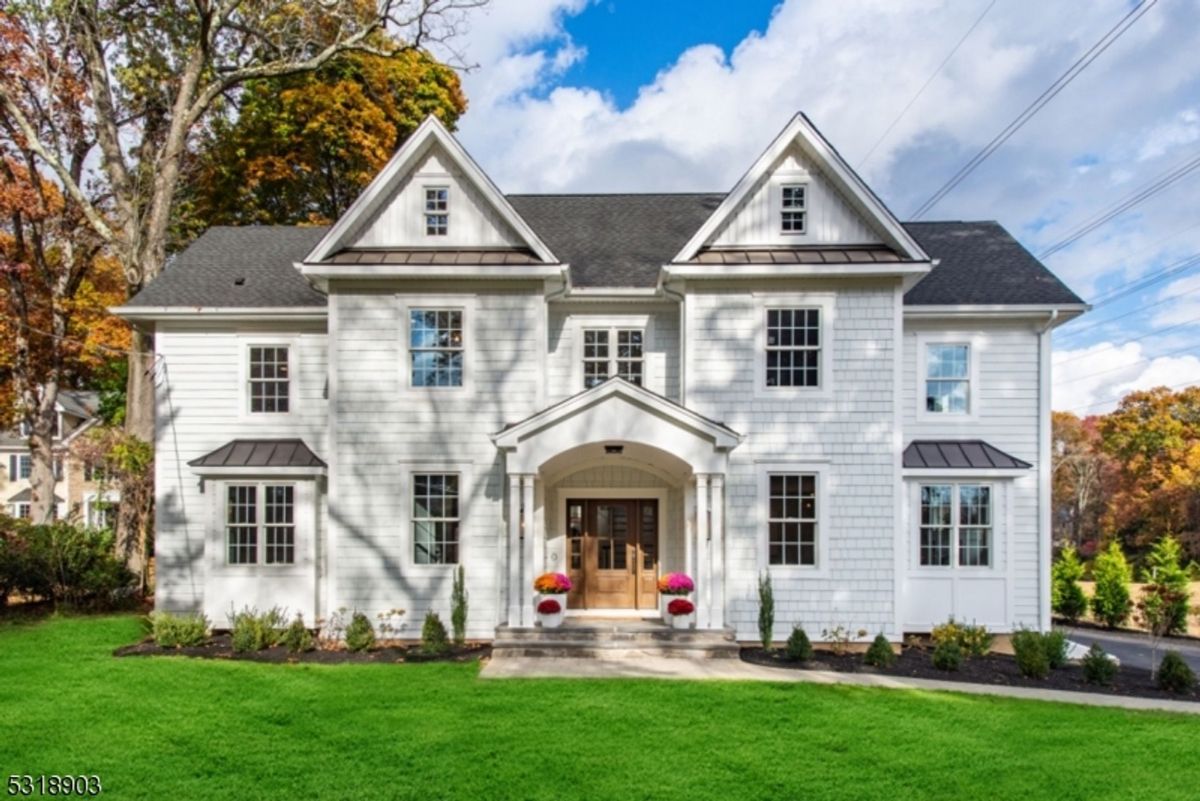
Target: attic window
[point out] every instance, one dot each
(794, 208)
(437, 210)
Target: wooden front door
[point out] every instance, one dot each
(612, 553)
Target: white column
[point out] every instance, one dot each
(530, 541)
(703, 573)
(718, 550)
(514, 549)
(689, 529)
(540, 527)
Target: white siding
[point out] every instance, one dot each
(200, 399)
(831, 218)
(849, 433)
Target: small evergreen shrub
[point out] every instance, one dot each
(255, 631)
(766, 610)
(458, 606)
(1111, 604)
(1055, 645)
(1066, 596)
(298, 639)
(880, 653)
(360, 634)
(1174, 675)
(178, 631)
(1030, 649)
(1164, 568)
(973, 640)
(798, 648)
(433, 635)
(947, 656)
(1097, 667)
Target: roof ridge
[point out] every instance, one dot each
(616, 194)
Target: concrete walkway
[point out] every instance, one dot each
(653, 667)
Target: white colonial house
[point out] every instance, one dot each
(782, 378)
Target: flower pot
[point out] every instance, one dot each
(550, 621)
(683, 621)
(555, 620)
(663, 600)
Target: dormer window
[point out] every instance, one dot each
(437, 210)
(794, 208)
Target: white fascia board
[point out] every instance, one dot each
(430, 130)
(961, 473)
(617, 294)
(1062, 313)
(220, 313)
(846, 270)
(833, 164)
(256, 472)
(326, 271)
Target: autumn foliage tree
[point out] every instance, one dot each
(1083, 477)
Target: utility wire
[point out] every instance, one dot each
(1107, 401)
(1155, 333)
(1082, 63)
(1170, 271)
(1139, 310)
(1143, 360)
(925, 85)
(1155, 186)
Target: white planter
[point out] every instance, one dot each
(550, 621)
(683, 621)
(556, 620)
(663, 600)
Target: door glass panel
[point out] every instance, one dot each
(604, 556)
(620, 536)
(574, 535)
(649, 537)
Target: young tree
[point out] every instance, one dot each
(150, 73)
(1156, 613)
(1066, 596)
(1164, 569)
(1111, 604)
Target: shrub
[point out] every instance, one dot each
(360, 634)
(947, 656)
(65, 563)
(254, 631)
(1066, 596)
(798, 648)
(1030, 649)
(766, 610)
(433, 635)
(178, 631)
(1055, 645)
(1111, 604)
(880, 653)
(549, 606)
(458, 606)
(298, 638)
(1164, 569)
(839, 638)
(1098, 668)
(680, 607)
(1174, 675)
(971, 639)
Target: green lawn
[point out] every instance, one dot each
(179, 729)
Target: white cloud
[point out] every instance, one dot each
(1091, 380)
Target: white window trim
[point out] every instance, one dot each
(974, 344)
(466, 486)
(425, 210)
(1000, 490)
(247, 342)
(613, 323)
(465, 304)
(16, 475)
(826, 302)
(762, 514)
(779, 208)
(92, 499)
(304, 516)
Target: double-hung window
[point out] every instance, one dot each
(20, 465)
(435, 346)
(435, 518)
(792, 519)
(611, 352)
(269, 379)
(793, 208)
(948, 378)
(956, 525)
(793, 343)
(437, 210)
(260, 524)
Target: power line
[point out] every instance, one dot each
(1107, 401)
(1082, 63)
(1139, 310)
(925, 85)
(1148, 334)
(1143, 360)
(1171, 270)
(1159, 184)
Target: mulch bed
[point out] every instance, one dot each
(994, 669)
(220, 647)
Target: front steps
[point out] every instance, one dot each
(614, 639)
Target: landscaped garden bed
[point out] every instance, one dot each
(220, 646)
(992, 669)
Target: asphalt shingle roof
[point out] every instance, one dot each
(609, 241)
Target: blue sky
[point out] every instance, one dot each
(666, 95)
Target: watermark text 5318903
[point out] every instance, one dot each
(49, 784)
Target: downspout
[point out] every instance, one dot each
(1043, 460)
(683, 344)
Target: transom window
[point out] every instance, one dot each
(269, 377)
(260, 524)
(437, 210)
(20, 465)
(435, 518)
(947, 379)
(959, 513)
(793, 348)
(794, 208)
(792, 519)
(436, 347)
(601, 360)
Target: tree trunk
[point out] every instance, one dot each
(41, 449)
(139, 386)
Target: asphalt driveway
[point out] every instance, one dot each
(1133, 649)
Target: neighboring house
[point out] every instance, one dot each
(781, 378)
(80, 490)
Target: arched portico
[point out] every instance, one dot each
(633, 439)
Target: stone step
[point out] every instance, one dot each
(629, 635)
(588, 649)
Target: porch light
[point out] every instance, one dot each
(614, 450)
